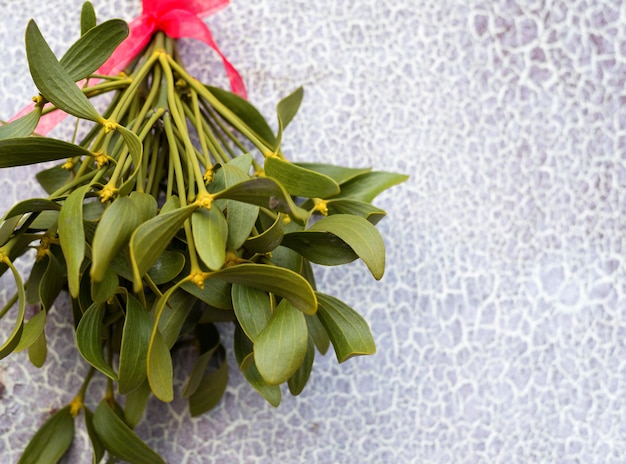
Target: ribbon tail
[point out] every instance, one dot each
(180, 23)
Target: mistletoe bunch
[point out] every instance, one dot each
(176, 211)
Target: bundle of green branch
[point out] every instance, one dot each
(176, 211)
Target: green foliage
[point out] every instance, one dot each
(159, 240)
(52, 440)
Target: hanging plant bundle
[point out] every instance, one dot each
(175, 211)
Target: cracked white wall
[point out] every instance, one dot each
(500, 322)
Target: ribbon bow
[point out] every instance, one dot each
(177, 19)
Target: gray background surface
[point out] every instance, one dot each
(500, 320)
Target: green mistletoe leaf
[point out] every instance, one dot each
(87, 18)
(52, 79)
(72, 236)
(281, 347)
(136, 402)
(173, 317)
(245, 359)
(320, 247)
(210, 391)
(151, 238)
(240, 216)
(286, 110)
(299, 379)
(96, 445)
(166, 267)
(119, 439)
(253, 309)
(318, 333)
(23, 151)
(269, 239)
(32, 330)
(216, 293)
(300, 181)
(113, 232)
(282, 282)
(51, 282)
(16, 333)
(366, 187)
(134, 347)
(52, 179)
(52, 440)
(93, 48)
(104, 289)
(263, 192)
(348, 331)
(339, 174)
(22, 127)
(360, 235)
(210, 233)
(38, 351)
(160, 371)
(89, 339)
(159, 363)
(356, 208)
(34, 205)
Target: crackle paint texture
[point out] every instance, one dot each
(500, 320)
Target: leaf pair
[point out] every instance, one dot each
(56, 80)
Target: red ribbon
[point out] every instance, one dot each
(177, 19)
